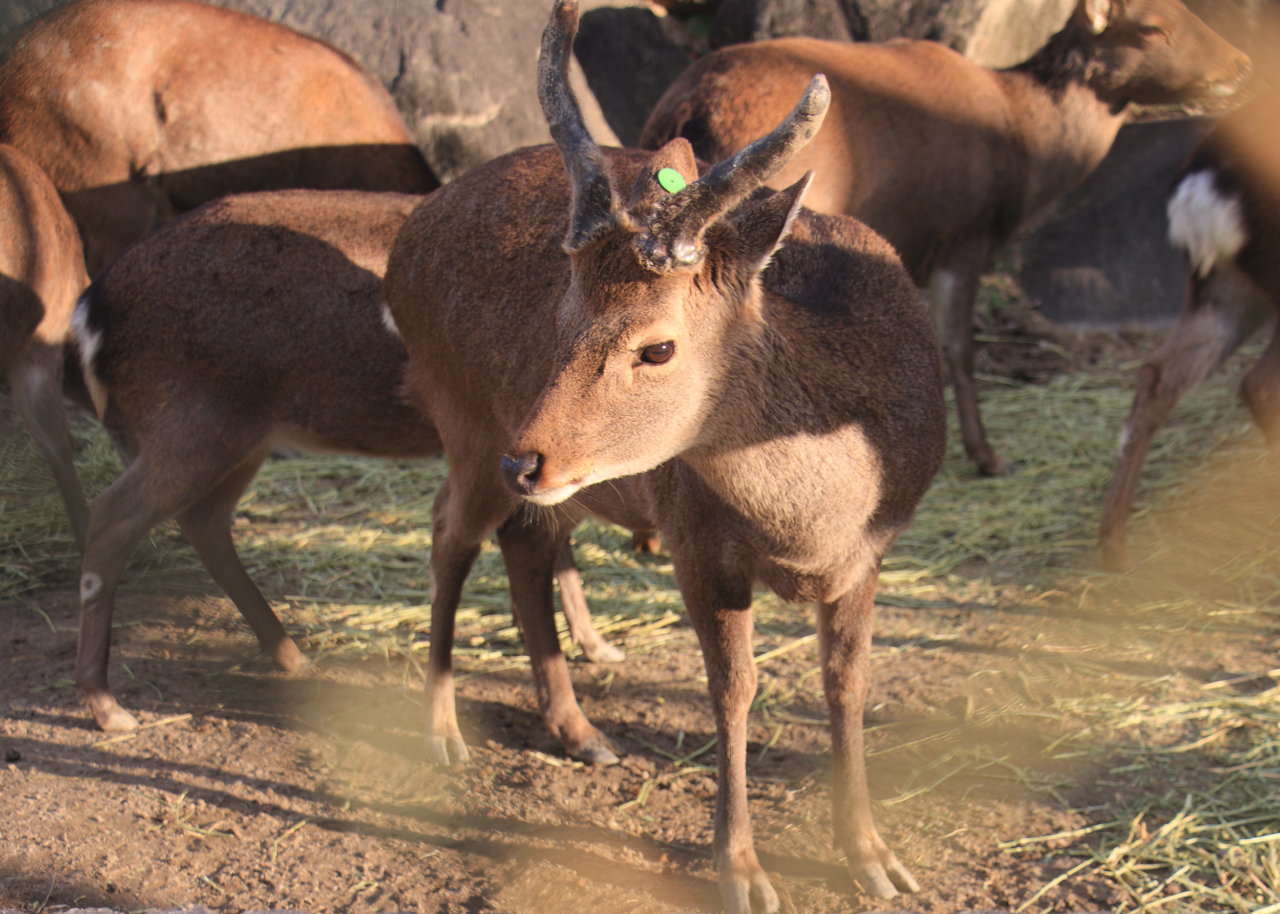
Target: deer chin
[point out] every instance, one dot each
(554, 496)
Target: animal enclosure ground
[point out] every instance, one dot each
(1041, 736)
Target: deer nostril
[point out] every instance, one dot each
(521, 472)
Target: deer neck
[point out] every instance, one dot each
(1064, 115)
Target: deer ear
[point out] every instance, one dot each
(667, 172)
(1098, 14)
(764, 227)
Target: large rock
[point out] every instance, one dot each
(1102, 256)
(629, 62)
(462, 71)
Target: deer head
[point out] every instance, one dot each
(664, 299)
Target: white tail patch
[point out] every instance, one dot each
(88, 341)
(390, 322)
(1205, 223)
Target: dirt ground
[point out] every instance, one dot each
(249, 789)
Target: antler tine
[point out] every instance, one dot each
(593, 202)
(672, 236)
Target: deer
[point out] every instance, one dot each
(1224, 213)
(637, 337)
(139, 110)
(41, 273)
(946, 159)
(252, 323)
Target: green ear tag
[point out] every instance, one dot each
(671, 180)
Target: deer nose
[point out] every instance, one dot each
(522, 472)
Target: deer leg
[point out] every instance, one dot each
(1220, 314)
(207, 526)
(118, 518)
(952, 291)
(646, 541)
(35, 379)
(844, 636)
(531, 552)
(1260, 389)
(721, 616)
(576, 612)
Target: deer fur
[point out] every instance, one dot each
(254, 322)
(142, 109)
(41, 273)
(1224, 212)
(946, 159)
(756, 382)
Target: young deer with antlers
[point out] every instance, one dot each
(252, 323)
(685, 353)
(1225, 213)
(41, 273)
(946, 159)
(142, 109)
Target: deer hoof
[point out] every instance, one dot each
(447, 751)
(1115, 558)
(739, 891)
(597, 751)
(291, 659)
(885, 881)
(604, 652)
(111, 717)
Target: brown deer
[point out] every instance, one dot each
(1224, 212)
(677, 350)
(947, 159)
(41, 273)
(252, 323)
(142, 109)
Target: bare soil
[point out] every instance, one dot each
(250, 789)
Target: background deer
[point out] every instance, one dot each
(944, 158)
(1224, 212)
(41, 273)
(253, 323)
(142, 109)
(687, 354)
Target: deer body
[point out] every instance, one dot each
(142, 109)
(1224, 212)
(944, 158)
(252, 323)
(41, 273)
(662, 359)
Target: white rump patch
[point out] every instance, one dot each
(88, 342)
(1206, 224)
(390, 322)
(90, 584)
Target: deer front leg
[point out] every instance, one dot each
(578, 614)
(531, 553)
(844, 636)
(1260, 389)
(725, 637)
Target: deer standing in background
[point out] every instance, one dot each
(254, 322)
(41, 273)
(682, 351)
(946, 159)
(142, 109)
(1224, 212)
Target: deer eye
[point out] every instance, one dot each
(658, 353)
(1148, 30)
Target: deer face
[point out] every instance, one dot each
(1153, 51)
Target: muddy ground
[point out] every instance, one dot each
(249, 789)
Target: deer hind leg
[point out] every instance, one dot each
(532, 552)
(720, 612)
(1260, 389)
(35, 379)
(1222, 311)
(207, 526)
(578, 614)
(844, 637)
(952, 290)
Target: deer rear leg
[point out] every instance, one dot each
(844, 637)
(1260, 389)
(119, 517)
(952, 292)
(578, 614)
(207, 526)
(35, 379)
(1220, 314)
(531, 553)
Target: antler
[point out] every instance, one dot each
(672, 237)
(594, 207)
